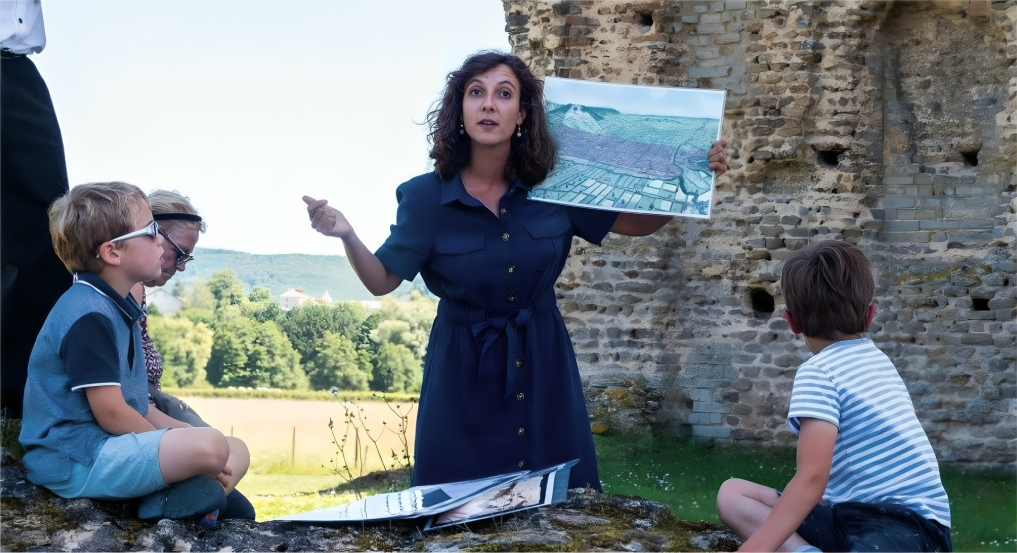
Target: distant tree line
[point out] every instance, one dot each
(226, 337)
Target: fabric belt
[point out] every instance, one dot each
(513, 327)
(8, 54)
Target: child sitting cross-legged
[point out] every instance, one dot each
(867, 478)
(87, 427)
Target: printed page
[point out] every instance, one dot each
(538, 488)
(628, 148)
(413, 502)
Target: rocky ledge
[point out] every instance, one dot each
(33, 519)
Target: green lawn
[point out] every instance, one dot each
(274, 495)
(983, 509)
(686, 475)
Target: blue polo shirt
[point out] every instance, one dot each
(90, 338)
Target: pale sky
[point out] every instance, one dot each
(246, 105)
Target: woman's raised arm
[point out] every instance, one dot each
(331, 222)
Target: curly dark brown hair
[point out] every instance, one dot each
(532, 155)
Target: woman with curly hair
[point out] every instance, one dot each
(501, 389)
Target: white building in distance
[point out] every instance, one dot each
(295, 296)
(167, 304)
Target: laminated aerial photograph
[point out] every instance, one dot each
(631, 148)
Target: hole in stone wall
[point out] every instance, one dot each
(762, 302)
(970, 158)
(645, 19)
(979, 304)
(829, 158)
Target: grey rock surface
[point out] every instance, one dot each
(33, 519)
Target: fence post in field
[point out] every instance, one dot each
(293, 448)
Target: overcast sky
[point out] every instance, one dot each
(246, 105)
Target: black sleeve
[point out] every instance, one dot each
(89, 352)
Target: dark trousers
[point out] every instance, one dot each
(872, 527)
(33, 173)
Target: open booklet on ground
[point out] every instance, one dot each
(452, 503)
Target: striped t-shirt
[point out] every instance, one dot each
(882, 454)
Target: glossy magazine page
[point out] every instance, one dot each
(535, 489)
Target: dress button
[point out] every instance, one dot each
(512, 297)
(519, 362)
(521, 464)
(512, 268)
(505, 236)
(503, 211)
(520, 396)
(521, 431)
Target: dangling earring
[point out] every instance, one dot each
(519, 131)
(461, 130)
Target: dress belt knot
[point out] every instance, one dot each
(490, 331)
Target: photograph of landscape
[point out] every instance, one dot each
(631, 148)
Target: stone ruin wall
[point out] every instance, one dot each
(890, 125)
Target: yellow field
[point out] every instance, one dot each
(278, 431)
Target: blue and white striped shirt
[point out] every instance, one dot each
(882, 454)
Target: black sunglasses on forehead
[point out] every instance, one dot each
(183, 258)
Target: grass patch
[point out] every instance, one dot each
(320, 395)
(983, 508)
(686, 474)
(268, 507)
(286, 484)
(278, 495)
(10, 429)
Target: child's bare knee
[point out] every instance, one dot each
(730, 487)
(238, 447)
(727, 496)
(212, 450)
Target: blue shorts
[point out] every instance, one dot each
(127, 466)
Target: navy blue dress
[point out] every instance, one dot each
(501, 389)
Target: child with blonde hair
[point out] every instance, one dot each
(87, 427)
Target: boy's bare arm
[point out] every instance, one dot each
(112, 412)
(159, 419)
(803, 492)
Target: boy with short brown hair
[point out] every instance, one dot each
(867, 477)
(86, 428)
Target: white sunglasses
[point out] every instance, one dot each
(152, 230)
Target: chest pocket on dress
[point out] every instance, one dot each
(549, 238)
(461, 258)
